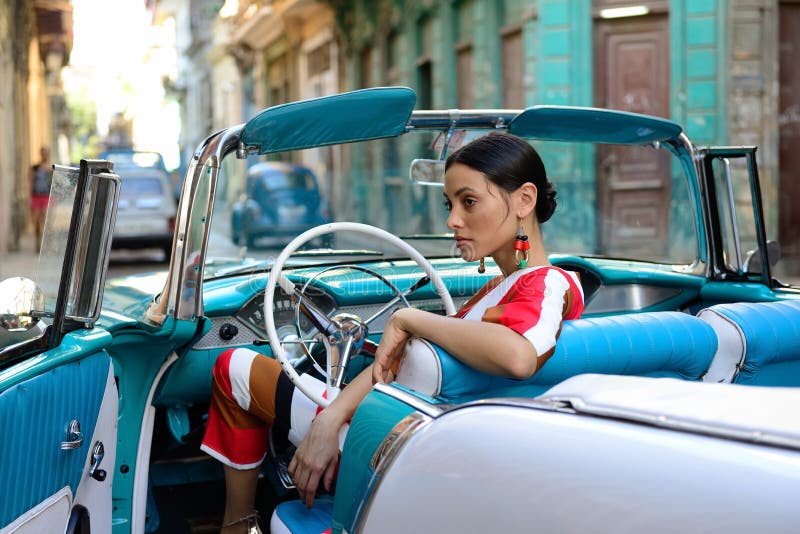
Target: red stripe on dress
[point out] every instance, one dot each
(241, 446)
(576, 309)
(528, 317)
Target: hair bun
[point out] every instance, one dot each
(547, 205)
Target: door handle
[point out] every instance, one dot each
(97, 456)
(74, 436)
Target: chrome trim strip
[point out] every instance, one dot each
(472, 118)
(426, 408)
(683, 143)
(672, 423)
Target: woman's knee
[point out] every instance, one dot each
(232, 365)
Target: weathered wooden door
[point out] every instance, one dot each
(631, 68)
(789, 131)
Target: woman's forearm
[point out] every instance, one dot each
(489, 347)
(344, 406)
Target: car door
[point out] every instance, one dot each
(58, 396)
(59, 412)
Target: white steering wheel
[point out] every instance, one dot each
(342, 337)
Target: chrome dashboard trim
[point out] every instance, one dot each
(628, 297)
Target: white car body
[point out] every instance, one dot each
(146, 210)
(600, 454)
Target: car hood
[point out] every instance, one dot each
(126, 298)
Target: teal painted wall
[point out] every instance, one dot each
(558, 59)
(562, 37)
(698, 48)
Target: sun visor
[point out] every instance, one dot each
(344, 118)
(593, 125)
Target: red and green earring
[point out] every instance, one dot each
(521, 244)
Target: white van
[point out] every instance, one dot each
(146, 212)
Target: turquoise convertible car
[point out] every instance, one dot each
(670, 406)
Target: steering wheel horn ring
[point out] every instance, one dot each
(344, 335)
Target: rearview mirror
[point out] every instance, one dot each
(428, 172)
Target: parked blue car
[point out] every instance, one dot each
(670, 406)
(280, 201)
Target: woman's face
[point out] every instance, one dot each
(481, 214)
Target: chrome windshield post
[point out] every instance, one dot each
(182, 295)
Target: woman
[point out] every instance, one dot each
(497, 193)
(41, 175)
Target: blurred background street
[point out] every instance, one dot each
(129, 79)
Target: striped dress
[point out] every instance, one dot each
(250, 393)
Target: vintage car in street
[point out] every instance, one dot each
(281, 200)
(145, 211)
(668, 407)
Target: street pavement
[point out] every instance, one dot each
(22, 262)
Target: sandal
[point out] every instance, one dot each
(251, 520)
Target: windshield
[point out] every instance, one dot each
(55, 235)
(628, 202)
(272, 178)
(128, 158)
(133, 188)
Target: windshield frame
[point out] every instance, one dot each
(182, 298)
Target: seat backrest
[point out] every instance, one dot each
(759, 343)
(656, 344)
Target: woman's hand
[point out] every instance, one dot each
(392, 345)
(316, 458)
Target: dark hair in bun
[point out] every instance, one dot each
(509, 161)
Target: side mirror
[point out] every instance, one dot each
(752, 263)
(428, 172)
(20, 300)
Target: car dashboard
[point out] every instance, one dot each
(234, 305)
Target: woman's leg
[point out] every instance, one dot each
(240, 494)
(250, 393)
(247, 397)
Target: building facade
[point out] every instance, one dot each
(35, 43)
(724, 69)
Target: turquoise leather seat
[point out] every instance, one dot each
(759, 343)
(655, 344)
(294, 517)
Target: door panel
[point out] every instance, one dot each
(93, 494)
(50, 515)
(632, 74)
(36, 413)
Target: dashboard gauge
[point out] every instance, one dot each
(252, 314)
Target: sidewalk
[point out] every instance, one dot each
(22, 262)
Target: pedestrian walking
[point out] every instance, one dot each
(41, 176)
